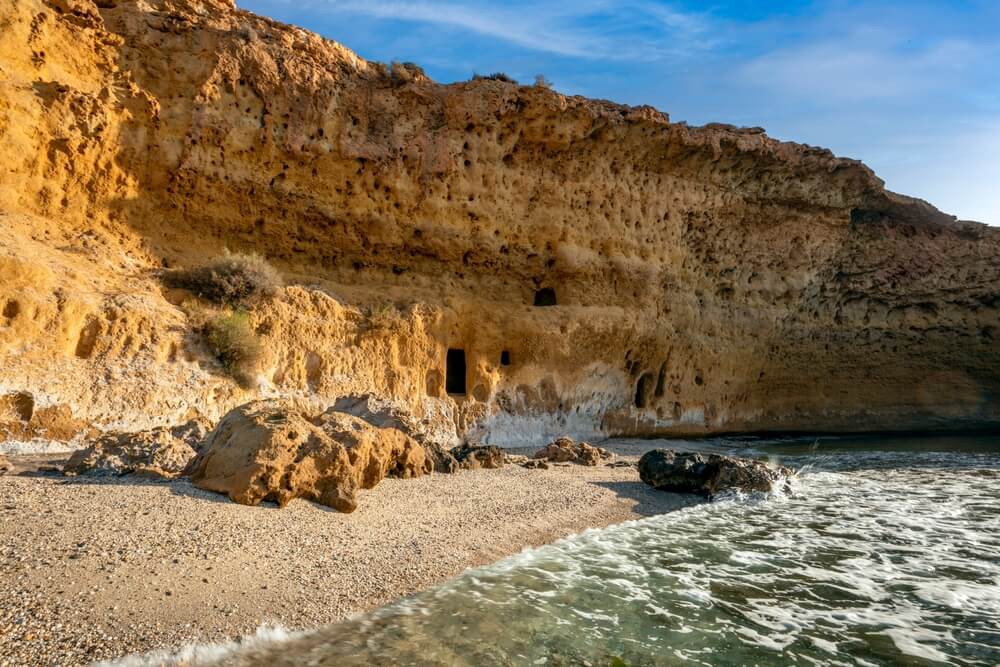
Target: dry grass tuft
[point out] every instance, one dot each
(232, 279)
(235, 344)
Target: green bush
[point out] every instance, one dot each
(232, 279)
(234, 343)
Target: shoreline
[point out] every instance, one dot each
(98, 568)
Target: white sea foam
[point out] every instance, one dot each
(204, 655)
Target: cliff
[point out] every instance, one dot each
(704, 279)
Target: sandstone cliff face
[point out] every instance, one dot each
(705, 279)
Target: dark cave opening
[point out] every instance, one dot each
(546, 296)
(455, 372)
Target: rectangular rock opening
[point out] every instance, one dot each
(505, 358)
(546, 296)
(455, 372)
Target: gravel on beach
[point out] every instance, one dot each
(92, 569)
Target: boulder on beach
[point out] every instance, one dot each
(161, 453)
(708, 474)
(432, 427)
(566, 450)
(474, 457)
(268, 450)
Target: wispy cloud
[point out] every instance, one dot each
(867, 63)
(640, 30)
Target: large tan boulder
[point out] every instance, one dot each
(159, 453)
(565, 450)
(269, 450)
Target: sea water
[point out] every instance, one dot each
(887, 552)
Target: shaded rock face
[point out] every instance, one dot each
(159, 453)
(267, 450)
(441, 459)
(565, 450)
(688, 280)
(383, 413)
(5, 465)
(473, 457)
(707, 474)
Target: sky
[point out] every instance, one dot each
(912, 88)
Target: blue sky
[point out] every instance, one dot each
(912, 88)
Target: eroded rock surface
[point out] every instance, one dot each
(267, 450)
(594, 268)
(566, 450)
(708, 474)
(5, 465)
(474, 457)
(159, 453)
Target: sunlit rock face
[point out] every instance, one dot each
(594, 269)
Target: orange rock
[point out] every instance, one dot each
(267, 450)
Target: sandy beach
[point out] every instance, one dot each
(93, 569)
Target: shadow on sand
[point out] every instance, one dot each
(649, 501)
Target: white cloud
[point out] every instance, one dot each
(865, 64)
(599, 29)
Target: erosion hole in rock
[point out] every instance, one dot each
(20, 403)
(546, 296)
(11, 309)
(643, 390)
(455, 372)
(661, 381)
(505, 358)
(88, 338)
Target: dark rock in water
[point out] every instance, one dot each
(471, 457)
(707, 474)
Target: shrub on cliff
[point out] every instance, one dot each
(232, 279)
(402, 73)
(496, 76)
(234, 343)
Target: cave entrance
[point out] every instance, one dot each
(545, 297)
(505, 358)
(455, 372)
(643, 390)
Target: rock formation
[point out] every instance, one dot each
(267, 450)
(504, 260)
(159, 453)
(565, 450)
(708, 474)
(475, 457)
(5, 465)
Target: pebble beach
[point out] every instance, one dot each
(94, 569)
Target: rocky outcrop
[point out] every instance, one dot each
(565, 450)
(5, 465)
(268, 450)
(511, 262)
(474, 457)
(708, 474)
(159, 453)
